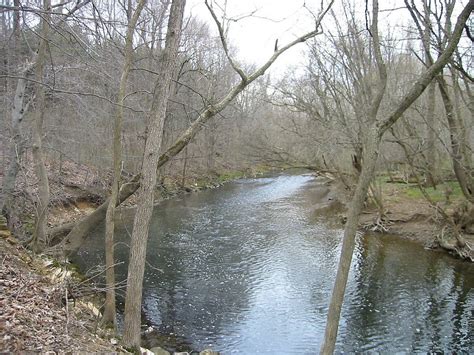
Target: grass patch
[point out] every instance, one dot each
(437, 195)
(398, 190)
(230, 175)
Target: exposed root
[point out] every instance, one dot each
(381, 224)
(453, 241)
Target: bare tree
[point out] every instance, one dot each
(40, 233)
(109, 315)
(136, 266)
(81, 229)
(370, 153)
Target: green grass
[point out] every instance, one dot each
(438, 194)
(230, 175)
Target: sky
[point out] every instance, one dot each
(255, 36)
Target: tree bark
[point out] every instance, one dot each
(136, 267)
(20, 107)
(431, 161)
(39, 237)
(109, 316)
(431, 157)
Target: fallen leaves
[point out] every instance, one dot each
(33, 316)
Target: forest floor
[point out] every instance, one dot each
(34, 316)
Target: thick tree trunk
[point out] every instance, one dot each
(136, 267)
(109, 315)
(39, 237)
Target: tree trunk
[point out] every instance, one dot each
(431, 161)
(20, 107)
(455, 134)
(136, 267)
(109, 316)
(39, 237)
(431, 158)
(369, 159)
(183, 172)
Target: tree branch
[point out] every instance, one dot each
(427, 76)
(223, 39)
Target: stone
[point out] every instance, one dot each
(159, 351)
(3, 223)
(209, 352)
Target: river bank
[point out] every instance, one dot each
(403, 220)
(40, 313)
(35, 315)
(407, 213)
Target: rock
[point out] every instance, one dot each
(159, 351)
(5, 234)
(209, 352)
(182, 353)
(144, 351)
(3, 223)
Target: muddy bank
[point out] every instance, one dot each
(80, 202)
(407, 218)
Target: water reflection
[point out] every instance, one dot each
(246, 268)
(408, 300)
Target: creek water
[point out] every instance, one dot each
(249, 267)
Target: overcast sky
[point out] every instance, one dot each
(283, 19)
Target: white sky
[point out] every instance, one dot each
(255, 36)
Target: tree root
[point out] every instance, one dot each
(380, 224)
(453, 241)
(464, 217)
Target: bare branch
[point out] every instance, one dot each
(225, 46)
(423, 81)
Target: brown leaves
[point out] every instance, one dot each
(32, 314)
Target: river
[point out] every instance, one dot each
(249, 267)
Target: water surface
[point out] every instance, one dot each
(248, 268)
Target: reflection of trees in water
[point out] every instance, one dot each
(419, 305)
(361, 315)
(462, 315)
(194, 294)
(212, 245)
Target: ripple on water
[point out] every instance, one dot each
(247, 270)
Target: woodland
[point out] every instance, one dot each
(124, 102)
